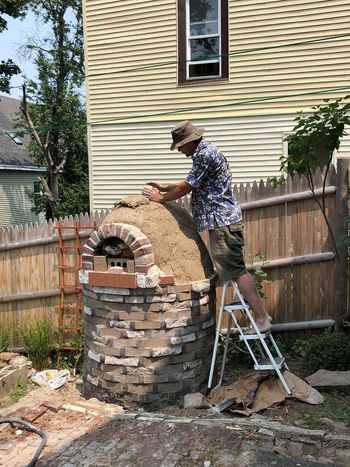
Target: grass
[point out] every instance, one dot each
(19, 390)
(336, 406)
(39, 339)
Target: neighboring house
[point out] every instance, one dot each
(17, 170)
(247, 66)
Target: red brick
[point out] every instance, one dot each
(131, 233)
(88, 249)
(112, 230)
(143, 269)
(139, 241)
(34, 414)
(106, 279)
(52, 404)
(91, 243)
(145, 260)
(143, 250)
(167, 280)
(87, 257)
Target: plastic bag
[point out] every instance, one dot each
(54, 379)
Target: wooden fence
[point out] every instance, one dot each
(304, 281)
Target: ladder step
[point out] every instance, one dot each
(234, 306)
(251, 337)
(265, 363)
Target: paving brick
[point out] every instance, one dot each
(136, 352)
(34, 414)
(52, 404)
(146, 325)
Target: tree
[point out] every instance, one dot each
(53, 111)
(312, 143)
(15, 9)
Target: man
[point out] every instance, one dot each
(214, 208)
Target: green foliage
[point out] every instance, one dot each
(19, 390)
(315, 137)
(4, 339)
(237, 352)
(258, 273)
(71, 359)
(57, 110)
(15, 9)
(329, 351)
(39, 339)
(344, 240)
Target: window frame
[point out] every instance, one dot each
(184, 45)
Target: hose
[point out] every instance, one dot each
(29, 427)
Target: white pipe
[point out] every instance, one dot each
(298, 326)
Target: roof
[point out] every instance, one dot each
(12, 154)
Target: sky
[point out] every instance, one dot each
(17, 34)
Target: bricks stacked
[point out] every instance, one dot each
(150, 346)
(148, 341)
(137, 241)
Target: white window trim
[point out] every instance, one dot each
(188, 48)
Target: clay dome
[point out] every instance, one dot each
(178, 248)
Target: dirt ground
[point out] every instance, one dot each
(291, 412)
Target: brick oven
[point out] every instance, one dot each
(148, 332)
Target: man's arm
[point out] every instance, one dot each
(163, 186)
(177, 190)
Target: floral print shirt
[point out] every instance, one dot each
(213, 203)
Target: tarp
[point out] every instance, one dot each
(257, 391)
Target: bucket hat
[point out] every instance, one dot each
(184, 132)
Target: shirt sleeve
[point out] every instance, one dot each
(199, 171)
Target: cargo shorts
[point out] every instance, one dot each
(226, 248)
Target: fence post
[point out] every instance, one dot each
(342, 210)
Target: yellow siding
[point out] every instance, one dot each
(126, 156)
(126, 152)
(124, 34)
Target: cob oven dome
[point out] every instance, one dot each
(148, 305)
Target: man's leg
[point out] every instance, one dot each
(248, 289)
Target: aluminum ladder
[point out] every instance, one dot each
(266, 360)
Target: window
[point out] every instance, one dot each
(203, 40)
(37, 188)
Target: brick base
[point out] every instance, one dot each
(147, 347)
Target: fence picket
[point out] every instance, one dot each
(285, 230)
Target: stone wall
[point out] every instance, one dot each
(147, 346)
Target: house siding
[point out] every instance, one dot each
(15, 206)
(135, 33)
(126, 156)
(130, 114)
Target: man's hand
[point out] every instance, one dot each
(158, 186)
(153, 194)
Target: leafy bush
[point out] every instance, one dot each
(4, 339)
(39, 339)
(330, 351)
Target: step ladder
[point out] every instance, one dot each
(266, 360)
